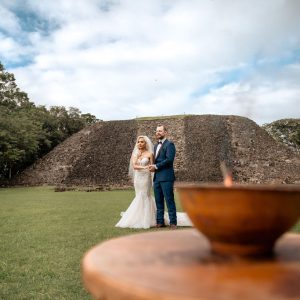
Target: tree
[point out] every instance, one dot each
(27, 131)
(18, 141)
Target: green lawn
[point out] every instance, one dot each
(44, 234)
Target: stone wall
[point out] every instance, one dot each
(105, 159)
(56, 166)
(207, 144)
(257, 157)
(99, 154)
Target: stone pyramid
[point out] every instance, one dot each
(99, 154)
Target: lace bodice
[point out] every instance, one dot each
(144, 161)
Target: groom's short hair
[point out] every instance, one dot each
(162, 125)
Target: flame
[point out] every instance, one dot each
(228, 180)
(227, 176)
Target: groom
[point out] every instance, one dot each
(164, 154)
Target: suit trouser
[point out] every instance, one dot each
(164, 190)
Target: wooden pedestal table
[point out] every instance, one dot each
(178, 264)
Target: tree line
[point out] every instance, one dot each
(28, 131)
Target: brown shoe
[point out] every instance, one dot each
(173, 226)
(160, 225)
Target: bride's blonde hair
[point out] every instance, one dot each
(149, 147)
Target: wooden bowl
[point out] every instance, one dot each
(241, 219)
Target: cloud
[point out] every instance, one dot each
(122, 59)
(259, 97)
(8, 21)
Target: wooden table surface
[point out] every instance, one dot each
(178, 264)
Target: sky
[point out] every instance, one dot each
(124, 59)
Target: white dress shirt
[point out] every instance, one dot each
(159, 146)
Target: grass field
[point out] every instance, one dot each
(44, 235)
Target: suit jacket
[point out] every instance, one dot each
(164, 162)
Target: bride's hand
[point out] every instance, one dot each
(151, 168)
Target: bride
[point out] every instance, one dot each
(141, 213)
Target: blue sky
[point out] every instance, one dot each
(131, 58)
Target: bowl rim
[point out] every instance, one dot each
(238, 186)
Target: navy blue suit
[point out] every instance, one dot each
(164, 178)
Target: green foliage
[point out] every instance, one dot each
(295, 137)
(19, 140)
(27, 131)
(286, 131)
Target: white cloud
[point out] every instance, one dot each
(259, 98)
(8, 21)
(123, 59)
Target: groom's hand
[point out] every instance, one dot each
(151, 168)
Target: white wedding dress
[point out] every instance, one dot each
(141, 213)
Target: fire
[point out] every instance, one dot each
(227, 176)
(228, 181)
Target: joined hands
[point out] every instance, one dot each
(151, 168)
